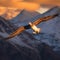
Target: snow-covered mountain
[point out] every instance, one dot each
(50, 30)
(29, 43)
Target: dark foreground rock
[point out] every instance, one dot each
(9, 52)
(47, 53)
(42, 52)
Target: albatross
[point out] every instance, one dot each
(31, 25)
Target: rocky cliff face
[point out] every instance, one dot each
(50, 30)
(28, 46)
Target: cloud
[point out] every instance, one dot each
(46, 2)
(2, 10)
(20, 5)
(30, 5)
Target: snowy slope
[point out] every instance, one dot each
(50, 30)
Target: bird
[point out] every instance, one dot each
(31, 25)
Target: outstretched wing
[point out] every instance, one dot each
(21, 29)
(44, 19)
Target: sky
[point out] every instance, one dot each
(28, 4)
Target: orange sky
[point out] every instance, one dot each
(20, 5)
(28, 4)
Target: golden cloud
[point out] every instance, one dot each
(53, 2)
(20, 5)
(28, 4)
